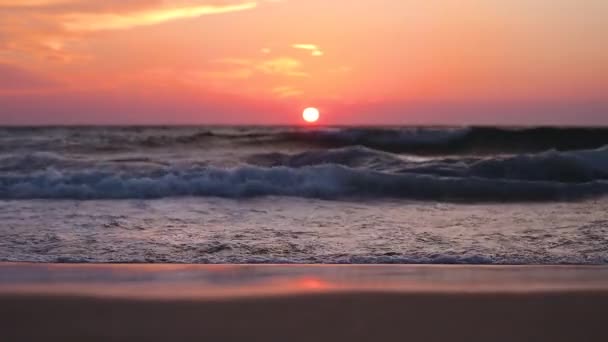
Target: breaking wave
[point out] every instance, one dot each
(456, 140)
(333, 174)
(412, 163)
(411, 140)
(552, 166)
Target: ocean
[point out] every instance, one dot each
(449, 195)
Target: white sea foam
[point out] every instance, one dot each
(320, 181)
(298, 230)
(235, 194)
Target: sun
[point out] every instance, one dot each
(311, 115)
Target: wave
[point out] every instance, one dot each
(356, 156)
(566, 167)
(409, 140)
(31, 162)
(334, 173)
(456, 140)
(412, 140)
(328, 181)
(570, 167)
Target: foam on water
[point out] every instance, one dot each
(297, 230)
(294, 195)
(349, 172)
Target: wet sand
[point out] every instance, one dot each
(302, 303)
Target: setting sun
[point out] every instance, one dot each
(311, 114)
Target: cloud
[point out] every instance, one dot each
(252, 76)
(286, 91)
(81, 15)
(99, 22)
(30, 3)
(283, 65)
(44, 29)
(314, 49)
(305, 46)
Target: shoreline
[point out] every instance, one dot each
(101, 302)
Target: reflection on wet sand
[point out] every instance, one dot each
(302, 303)
(225, 281)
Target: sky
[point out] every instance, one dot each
(404, 62)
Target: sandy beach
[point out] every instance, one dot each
(302, 303)
(303, 171)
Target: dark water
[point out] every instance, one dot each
(305, 195)
(464, 164)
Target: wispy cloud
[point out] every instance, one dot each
(281, 66)
(31, 3)
(286, 91)
(98, 22)
(256, 76)
(314, 49)
(44, 28)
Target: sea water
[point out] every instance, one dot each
(473, 195)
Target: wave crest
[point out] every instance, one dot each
(411, 140)
(455, 140)
(323, 181)
(567, 167)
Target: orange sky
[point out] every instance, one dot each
(259, 62)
